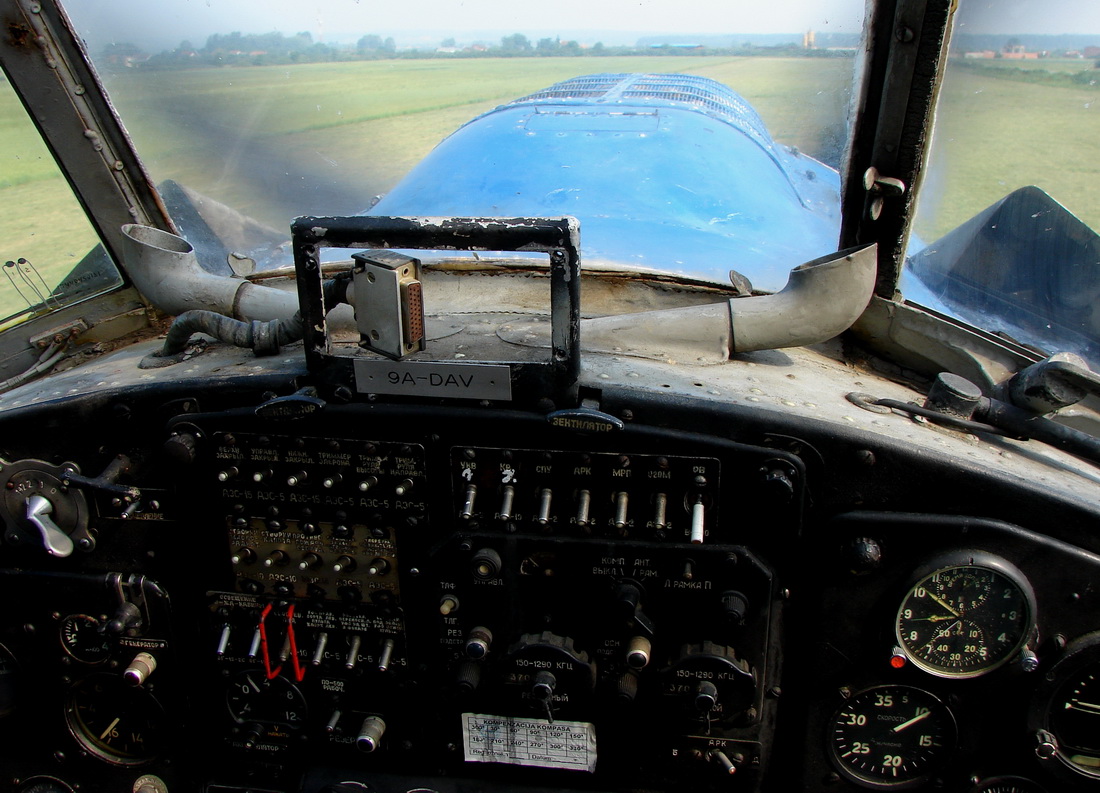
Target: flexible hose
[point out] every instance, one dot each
(263, 338)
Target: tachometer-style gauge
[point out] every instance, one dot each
(970, 614)
(82, 638)
(116, 722)
(1007, 784)
(254, 698)
(1066, 713)
(892, 737)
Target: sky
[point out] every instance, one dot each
(171, 21)
(163, 24)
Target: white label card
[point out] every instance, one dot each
(533, 742)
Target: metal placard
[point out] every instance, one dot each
(434, 379)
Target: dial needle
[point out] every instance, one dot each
(110, 727)
(943, 603)
(1088, 707)
(912, 721)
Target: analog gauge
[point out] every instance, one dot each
(966, 619)
(114, 721)
(254, 699)
(82, 638)
(892, 737)
(1067, 712)
(1007, 784)
(44, 784)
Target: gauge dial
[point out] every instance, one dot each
(254, 698)
(892, 737)
(1075, 720)
(44, 784)
(9, 682)
(1007, 784)
(964, 620)
(82, 637)
(114, 721)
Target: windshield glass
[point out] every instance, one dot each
(1004, 231)
(48, 249)
(283, 109)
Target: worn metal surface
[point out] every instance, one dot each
(805, 384)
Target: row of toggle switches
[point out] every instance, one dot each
(583, 513)
(302, 477)
(309, 562)
(317, 657)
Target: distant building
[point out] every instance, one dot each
(1091, 52)
(1018, 52)
(808, 42)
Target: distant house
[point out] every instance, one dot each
(980, 54)
(1091, 52)
(1017, 52)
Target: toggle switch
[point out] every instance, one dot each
(353, 652)
(660, 511)
(507, 497)
(697, 526)
(546, 495)
(468, 506)
(622, 500)
(584, 506)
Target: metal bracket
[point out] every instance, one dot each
(557, 237)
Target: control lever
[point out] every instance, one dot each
(1061, 380)
(957, 403)
(56, 542)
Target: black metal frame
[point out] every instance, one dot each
(557, 237)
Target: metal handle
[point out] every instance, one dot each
(56, 542)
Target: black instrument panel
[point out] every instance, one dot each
(471, 597)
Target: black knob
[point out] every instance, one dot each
(485, 564)
(626, 688)
(735, 607)
(627, 599)
(863, 554)
(181, 447)
(706, 696)
(779, 485)
(543, 686)
(468, 677)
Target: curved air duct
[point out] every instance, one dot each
(822, 299)
(165, 270)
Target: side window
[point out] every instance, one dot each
(50, 255)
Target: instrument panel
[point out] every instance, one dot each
(473, 598)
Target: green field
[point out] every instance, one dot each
(278, 141)
(996, 134)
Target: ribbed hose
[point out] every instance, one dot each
(263, 338)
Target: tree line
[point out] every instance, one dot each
(248, 49)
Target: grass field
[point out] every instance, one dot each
(994, 135)
(279, 141)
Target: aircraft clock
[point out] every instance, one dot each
(966, 614)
